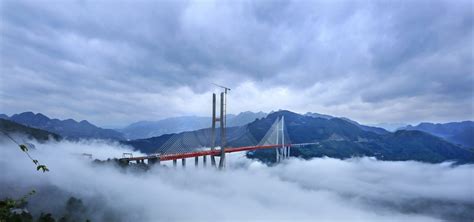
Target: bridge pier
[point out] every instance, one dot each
(124, 162)
(175, 162)
(204, 161)
(153, 161)
(183, 162)
(196, 161)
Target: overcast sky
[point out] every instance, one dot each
(116, 62)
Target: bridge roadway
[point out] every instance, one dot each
(216, 152)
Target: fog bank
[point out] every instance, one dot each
(324, 189)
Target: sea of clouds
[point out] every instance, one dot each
(321, 189)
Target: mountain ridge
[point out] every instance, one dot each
(68, 128)
(15, 130)
(148, 129)
(335, 137)
(461, 133)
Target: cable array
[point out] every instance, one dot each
(186, 142)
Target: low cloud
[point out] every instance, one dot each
(322, 189)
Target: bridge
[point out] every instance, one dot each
(202, 143)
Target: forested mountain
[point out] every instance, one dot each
(334, 137)
(461, 133)
(67, 128)
(147, 129)
(16, 130)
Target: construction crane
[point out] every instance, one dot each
(225, 101)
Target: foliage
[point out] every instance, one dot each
(8, 205)
(39, 135)
(12, 210)
(24, 148)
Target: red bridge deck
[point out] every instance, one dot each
(204, 153)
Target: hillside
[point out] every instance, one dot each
(378, 130)
(67, 128)
(148, 129)
(341, 139)
(335, 137)
(461, 133)
(17, 130)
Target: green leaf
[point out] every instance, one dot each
(42, 167)
(23, 148)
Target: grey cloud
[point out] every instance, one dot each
(389, 50)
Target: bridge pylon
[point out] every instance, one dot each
(278, 136)
(282, 152)
(222, 123)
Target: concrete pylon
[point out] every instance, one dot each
(213, 128)
(222, 124)
(282, 152)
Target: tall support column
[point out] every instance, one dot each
(175, 162)
(213, 128)
(283, 148)
(277, 158)
(196, 161)
(222, 121)
(183, 162)
(204, 161)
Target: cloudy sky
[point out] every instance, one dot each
(116, 62)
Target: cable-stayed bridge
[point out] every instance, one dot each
(204, 143)
(196, 144)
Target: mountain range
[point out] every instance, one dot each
(333, 137)
(147, 129)
(20, 132)
(461, 133)
(339, 138)
(373, 129)
(68, 128)
(71, 129)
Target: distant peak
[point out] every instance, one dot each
(41, 115)
(318, 115)
(29, 116)
(29, 113)
(86, 123)
(282, 113)
(70, 121)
